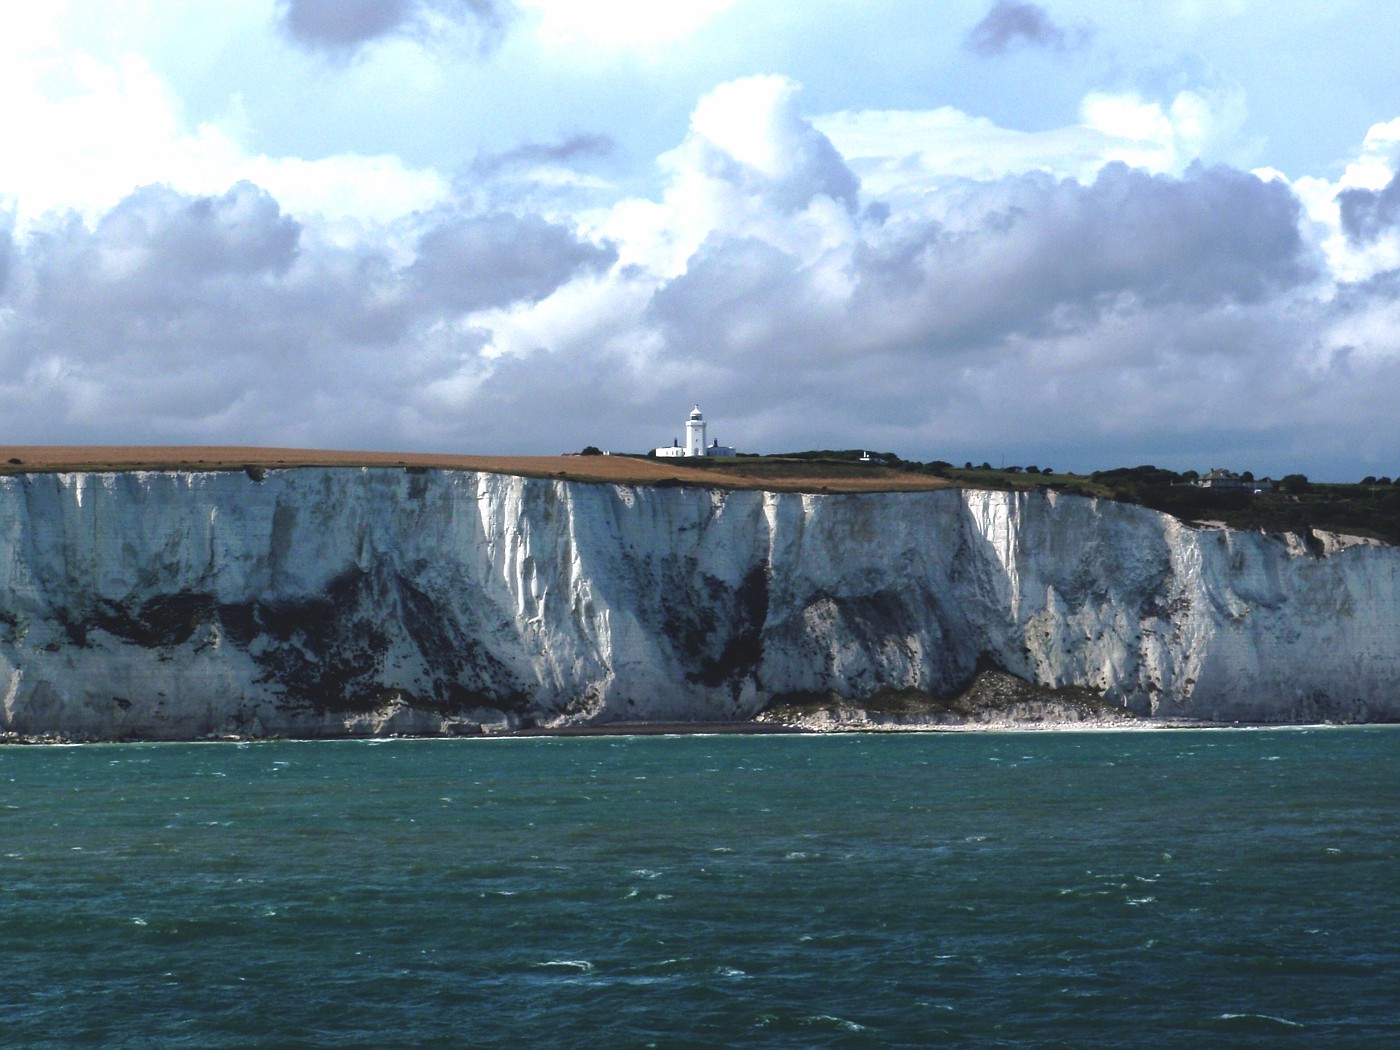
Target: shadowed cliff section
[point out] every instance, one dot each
(716, 629)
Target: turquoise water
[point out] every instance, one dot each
(1193, 888)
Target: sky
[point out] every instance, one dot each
(1070, 234)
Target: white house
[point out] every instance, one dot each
(1220, 478)
(694, 441)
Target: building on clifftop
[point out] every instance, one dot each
(1220, 478)
(694, 441)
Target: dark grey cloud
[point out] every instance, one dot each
(1366, 214)
(174, 314)
(1011, 23)
(1044, 255)
(742, 296)
(469, 263)
(243, 232)
(342, 27)
(575, 149)
(150, 261)
(1033, 258)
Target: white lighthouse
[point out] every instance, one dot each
(695, 433)
(694, 441)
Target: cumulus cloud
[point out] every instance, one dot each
(1353, 218)
(240, 233)
(750, 165)
(1022, 259)
(342, 27)
(1010, 23)
(188, 318)
(749, 132)
(1109, 309)
(909, 157)
(1174, 315)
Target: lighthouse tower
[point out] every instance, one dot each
(695, 433)
(694, 441)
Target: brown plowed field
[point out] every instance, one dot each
(772, 474)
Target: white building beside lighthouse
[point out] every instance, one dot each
(695, 443)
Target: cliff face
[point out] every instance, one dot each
(332, 601)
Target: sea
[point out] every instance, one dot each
(1165, 888)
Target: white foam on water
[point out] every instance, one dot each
(1285, 1022)
(578, 965)
(832, 1021)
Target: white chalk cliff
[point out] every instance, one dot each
(344, 601)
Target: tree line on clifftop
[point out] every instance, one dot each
(1292, 504)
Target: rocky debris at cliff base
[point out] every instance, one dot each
(993, 699)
